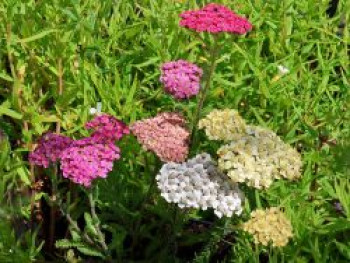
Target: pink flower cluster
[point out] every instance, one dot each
(181, 78)
(86, 159)
(165, 135)
(107, 128)
(215, 18)
(50, 147)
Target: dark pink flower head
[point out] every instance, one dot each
(107, 128)
(181, 78)
(87, 159)
(165, 135)
(215, 18)
(49, 149)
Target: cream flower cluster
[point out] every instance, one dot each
(258, 158)
(269, 226)
(197, 183)
(224, 125)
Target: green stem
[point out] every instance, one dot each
(74, 225)
(96, 223)
(60, 90)
(214, 52)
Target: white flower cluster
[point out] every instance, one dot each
(258, 158)
(198, 183)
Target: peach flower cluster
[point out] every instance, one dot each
(166, 135)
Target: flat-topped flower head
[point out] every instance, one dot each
(258, 158)
(269, 226)
(198, 183)
(49, 149)
(166, 135)
(88, 159)
(215, 18)
(107, 128)
(226, 125)
(181, 78)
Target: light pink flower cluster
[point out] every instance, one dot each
(107, 128)
(181, 78)
(50, 147)
(88, 159)
(85, 159)
(215, 18)
(165, 135)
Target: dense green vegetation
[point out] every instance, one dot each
(59, 58)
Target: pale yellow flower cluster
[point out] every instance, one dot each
(269, 226)
(226, 125)
(259, 157)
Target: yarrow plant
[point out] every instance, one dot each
(259, 158)
(215, 18)
(86, 159)
(198, 183)
(256, 156)
(107, 128)
(269, 226)
(252, 155)
(181, 78)
(224, 125)
(166, 135)
(49, 149)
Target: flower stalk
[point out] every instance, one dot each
(213, 55)
(96, 221)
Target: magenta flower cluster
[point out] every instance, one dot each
(86, 159)
(165, 135)
(181, 78)
(49, 149)
(215, 18)
(107, 128)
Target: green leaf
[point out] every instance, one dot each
(89, 224)
(11, 113)
(344, 249)
(151, 61)
(24, 175)
(90, 251)
(6, 77)
(36, 36)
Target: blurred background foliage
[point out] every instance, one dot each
(59, 58)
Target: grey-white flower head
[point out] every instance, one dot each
(282, 70)
(96, 110)
(258, 158)
(198, 183)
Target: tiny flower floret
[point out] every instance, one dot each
(181, 78)
(107, 128)
(197, 183)
(49, 149)
(282, 70)
(269, 226)
(215, 18)
(88, 159)
(165, 135)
